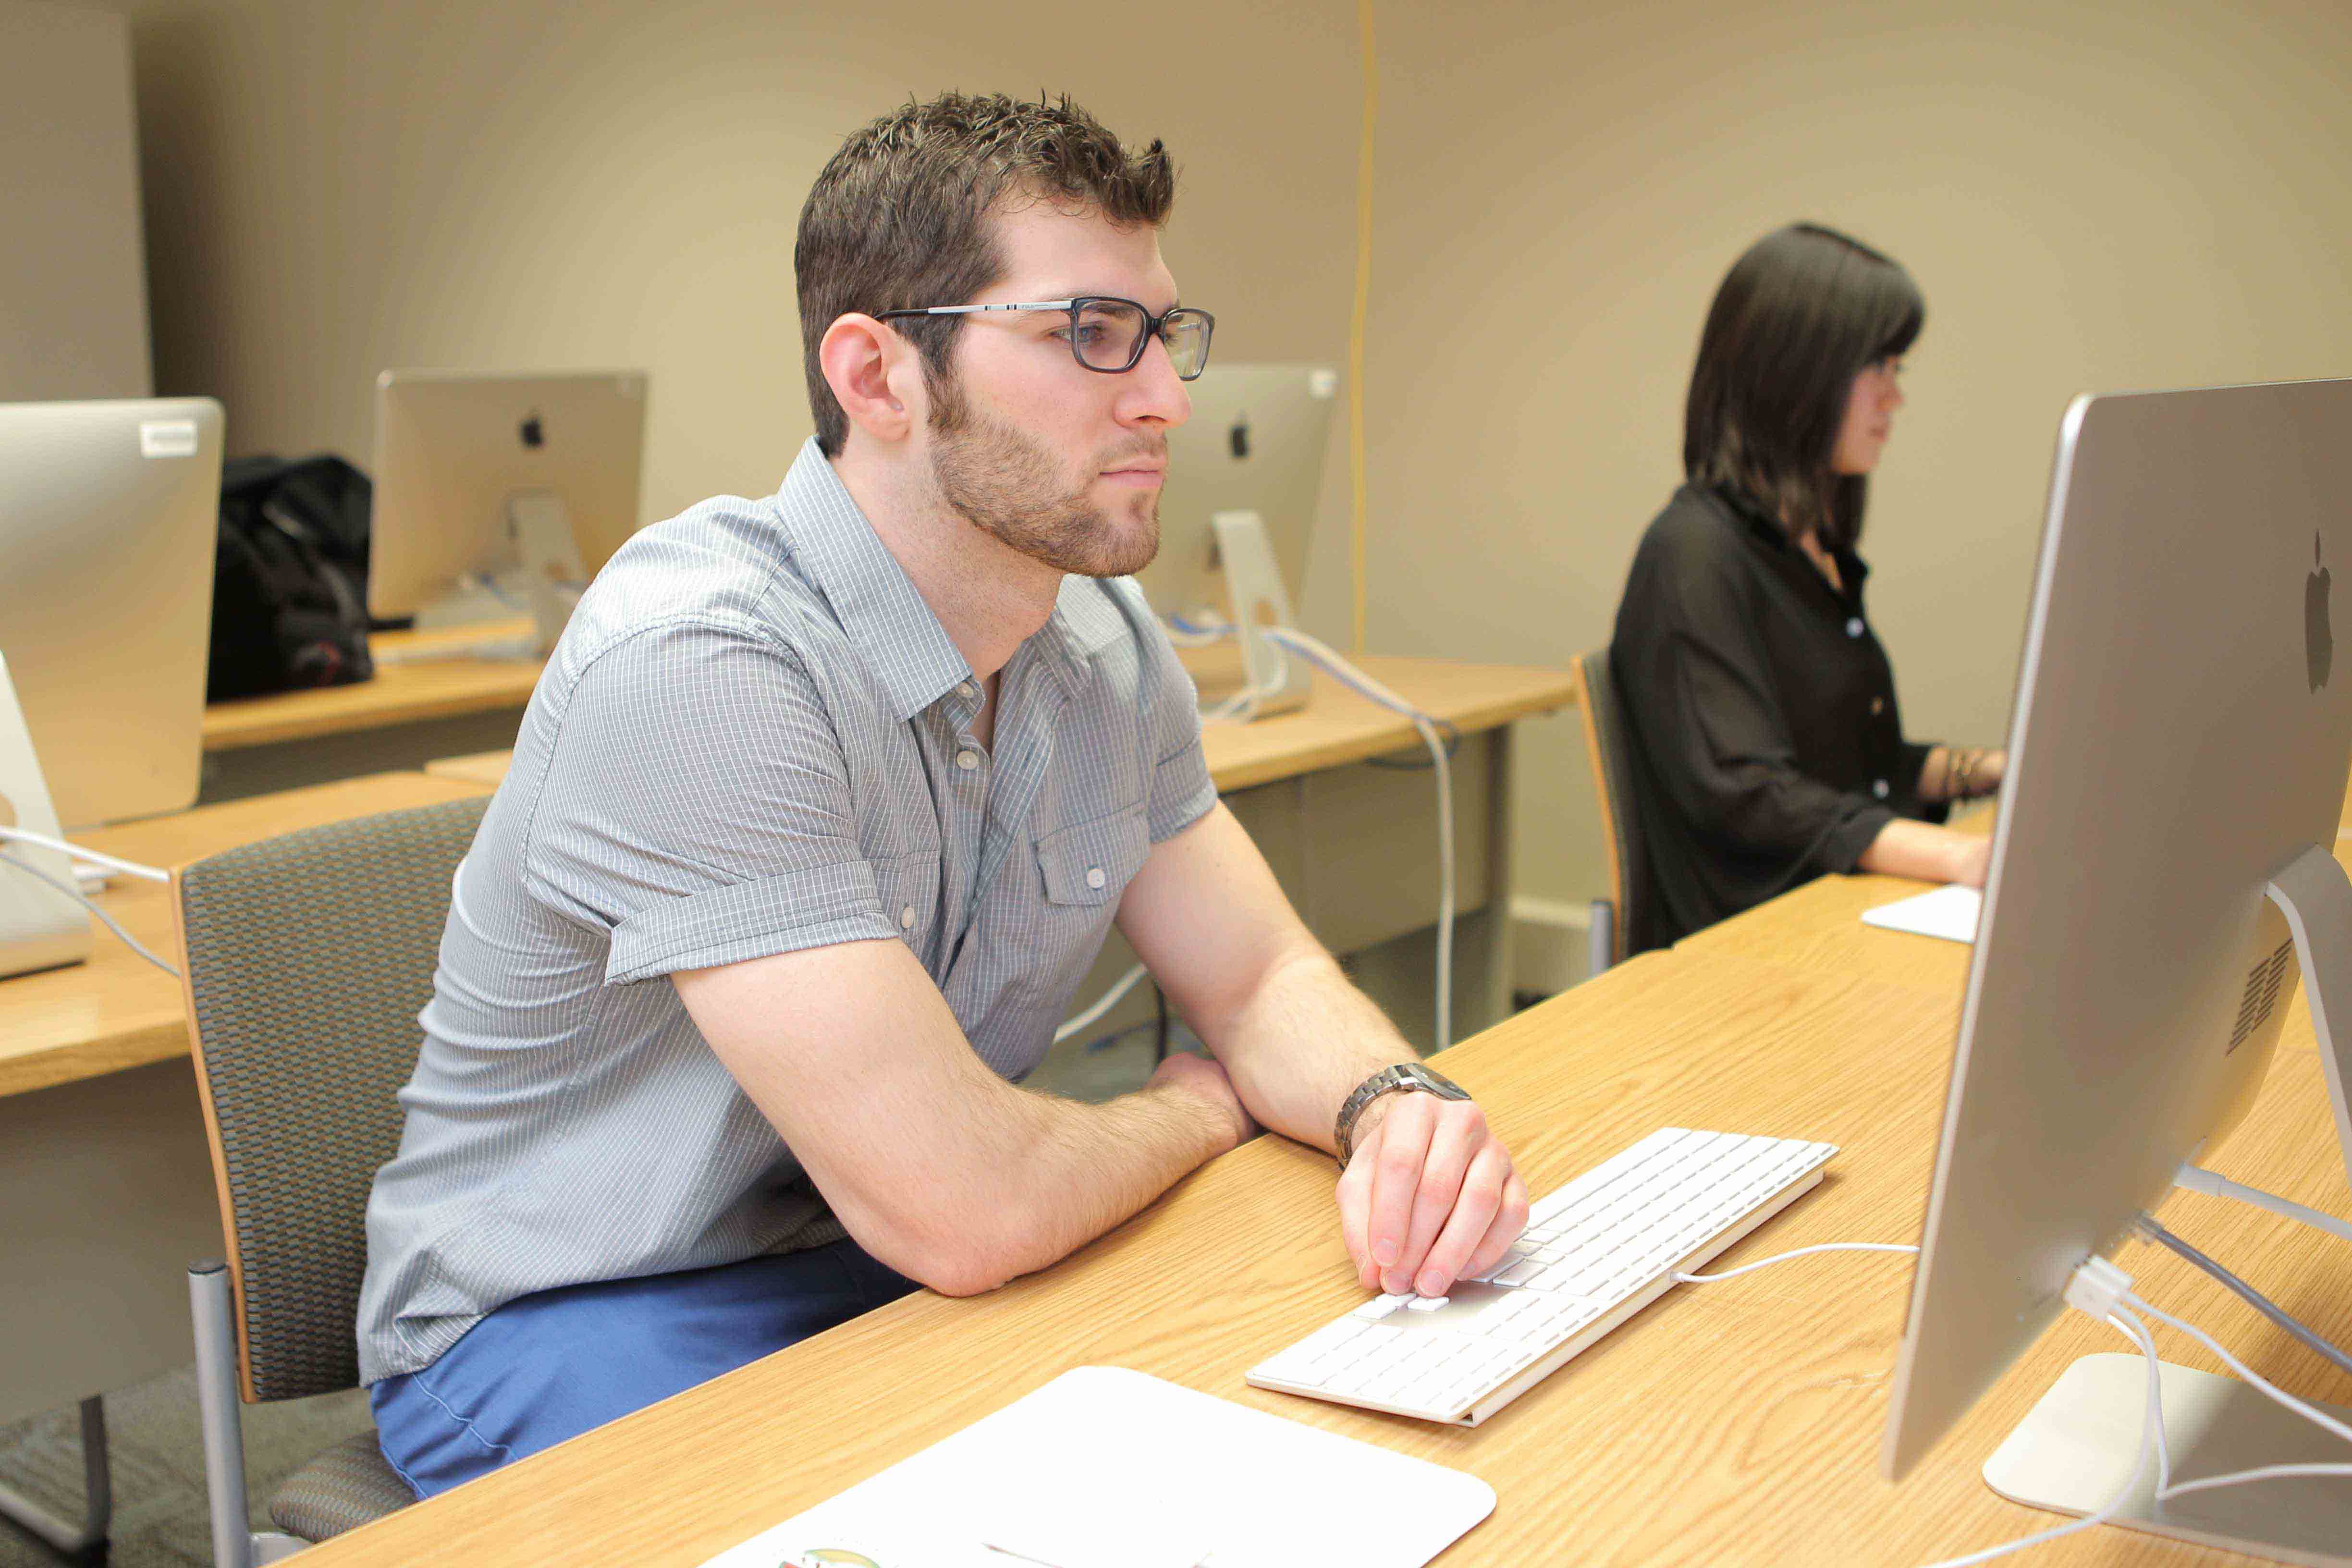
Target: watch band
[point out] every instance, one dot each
(1404, 1076)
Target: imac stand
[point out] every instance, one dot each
(1254, 592)
(40, 928)
(553, 578)
(2078, 1445)
(548, 583)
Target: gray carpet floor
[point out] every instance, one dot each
(157, 1453)
(158, 1459)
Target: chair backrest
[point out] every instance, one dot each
(306, 959)
(1609, 742)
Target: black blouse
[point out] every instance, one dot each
(1767, 742)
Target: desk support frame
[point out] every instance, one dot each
(2072, 1450)
(97, 1493)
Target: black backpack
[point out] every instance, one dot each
(290, 578)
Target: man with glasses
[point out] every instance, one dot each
(822, 811)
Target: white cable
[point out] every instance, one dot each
(2199, 1180)
(1109, 999)
(2301, 1407)
(2156, 1393)
(1242, 707)
(128, 868)
(1319, 653)
(2150, 1437)
(74, 893)
(2239, 1478)
(1799, 1252)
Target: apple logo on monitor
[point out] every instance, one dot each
(533, 437)
(2318, 639)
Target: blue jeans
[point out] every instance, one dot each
(549, 1366)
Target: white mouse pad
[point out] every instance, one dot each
(1104, 1467)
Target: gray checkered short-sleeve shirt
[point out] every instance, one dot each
(753, 737)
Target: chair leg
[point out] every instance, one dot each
(97, 1493)
(1600, 939)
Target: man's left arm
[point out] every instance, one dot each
(1430, 1194)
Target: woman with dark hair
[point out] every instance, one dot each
(1767, 742)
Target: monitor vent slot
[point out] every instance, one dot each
(2263, 983)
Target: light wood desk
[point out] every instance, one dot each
(427, 699)
(107, 1184)
(1354, 844)
(1728, 1423)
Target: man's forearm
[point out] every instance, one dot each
(1302, 1041)
(1053, 1175)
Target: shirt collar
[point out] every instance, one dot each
(1852, 568)
(885, 619)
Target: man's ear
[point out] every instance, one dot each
(875, 373)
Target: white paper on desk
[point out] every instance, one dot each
(1104, 1467)
(1950, 913)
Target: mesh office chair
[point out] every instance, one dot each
(1619, 921)
(307, 958)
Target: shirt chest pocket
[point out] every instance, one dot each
(1092, 863)
(909, 886)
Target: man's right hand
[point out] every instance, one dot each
(1202, 1080)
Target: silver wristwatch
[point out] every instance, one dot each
(1405, 1077)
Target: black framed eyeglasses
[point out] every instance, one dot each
(1108, 333)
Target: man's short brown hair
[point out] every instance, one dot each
(898, 219)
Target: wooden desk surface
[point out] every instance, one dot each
(117, 1011)
(1733, 1422)
(1336, 728)
(406, 688)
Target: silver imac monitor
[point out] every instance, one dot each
(1245, 474)
(2162, 865)
(491, 489)
(1256, 442)
(110, 513)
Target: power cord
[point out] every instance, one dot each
(2104, 1292)
(1102, 1004)
(1799, 1252)
(76, 895)
(1242, 704)
(1321, 655)
(2253, 1297)
(2199, 1180)
(89, 856)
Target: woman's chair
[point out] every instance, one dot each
(306, 960)
(1619, 920)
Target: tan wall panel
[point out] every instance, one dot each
(73, 280)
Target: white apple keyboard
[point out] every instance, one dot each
(1596, 1251)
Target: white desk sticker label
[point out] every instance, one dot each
(167, 437)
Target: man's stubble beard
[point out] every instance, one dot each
(1007, 485)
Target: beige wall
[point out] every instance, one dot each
(2093, 196)
(336, 188)
(73, 287)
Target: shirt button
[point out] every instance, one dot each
(1094, 878)
(967, 761)
(1853, 627)
(1877, 706)
(964, 690)
(1880, 789)
(906, 918)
